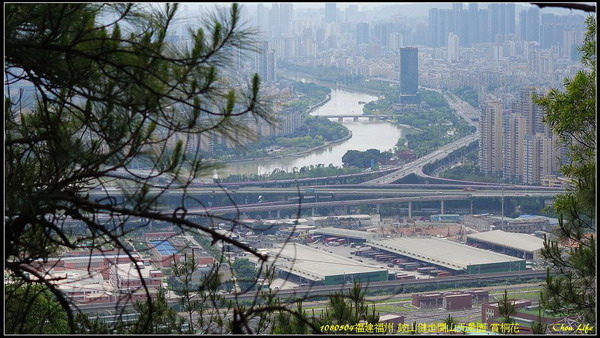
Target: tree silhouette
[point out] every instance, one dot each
(572, 116)
(107, 90)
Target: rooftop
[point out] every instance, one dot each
(346, 233)
(163, 247)
(442, 252)
(316, 264)
(511, 240)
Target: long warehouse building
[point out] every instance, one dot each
(321, 268)
(509, 243)
(450, 255)
(442, 253)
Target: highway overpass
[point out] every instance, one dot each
(302, 204)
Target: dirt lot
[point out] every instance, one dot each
(452, 231)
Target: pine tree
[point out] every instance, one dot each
(572, 115)
(110, 91)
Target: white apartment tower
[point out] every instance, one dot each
(452, 47)
(491, 128)
(513, 148)
(266, 64)
(531, 111)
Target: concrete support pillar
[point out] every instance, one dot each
(471, 206)
(442, 207)
(314, 211)
(355, 119)
(278, 214)
(269, 214)
(409, 209)
(377, 206)
(345, 210)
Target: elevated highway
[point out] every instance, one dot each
(309, 203)
(416, 167)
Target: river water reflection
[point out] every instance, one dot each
(366, 134)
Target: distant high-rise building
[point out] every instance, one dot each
(568, 43)
(352, 13)
(515, 127)
(330, 12)
(440, 23)
(531, 111)
(490, 146)
(452, 47)
(509, 18)
(286, 15)
(473, 18)
(262, 20)
(382, 32)
(266, 64)
(502, 18)
(274, 20)
(409, 75)
(484, 26)
(530, 24)
(531, 160)
(362, 33)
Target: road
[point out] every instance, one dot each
(293, 203)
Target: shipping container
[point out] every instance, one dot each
(406, 277)
(444, 273)
(425, 269)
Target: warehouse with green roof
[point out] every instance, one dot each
(313, 266)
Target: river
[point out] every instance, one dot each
(381, 135)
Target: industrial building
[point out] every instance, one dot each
(513, 244)
(453, 300)
(313, 266)
(350, 235)
(432, 251)
(449, 255)
(526, 224)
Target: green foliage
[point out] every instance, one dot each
(32, 309)
(572, 115)
(245, 273)
(506, 308)
(363, 159)
(109, 90)
(320, 170)
(314, 132)
(538, 326)
(437, 123)
(450, 323)
(468, 94)
(156, 317)
(348, 308)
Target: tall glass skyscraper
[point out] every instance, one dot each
(409, 75)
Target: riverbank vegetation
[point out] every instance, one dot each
(370, 158)
(468, 170)
(437, 122)
(314, 131)
(319, 170)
